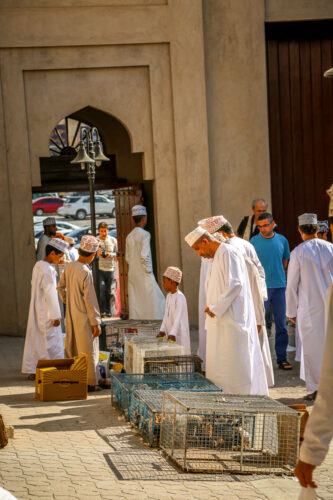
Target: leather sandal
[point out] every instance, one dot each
(311, 397)
(284, 365)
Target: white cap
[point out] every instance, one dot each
(194, 236)
(173, 273)
(49, 221)
(212, 224)
(89, 243)
(139, 210)
(59, 244)
(70, 240)
(323, 226)
(305, 219)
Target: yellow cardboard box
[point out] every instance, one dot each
(61, 379)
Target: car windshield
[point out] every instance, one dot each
(79, 232)
(72, 199)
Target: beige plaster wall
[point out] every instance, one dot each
(294, 10)
(145, 67)
(236, 105)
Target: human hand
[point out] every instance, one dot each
(171, 338)
(259, 328)
(293, 320)
(161, 334)
(208, 311)
(56, 322)
(99, 253)
(96, 330)
(303, 472)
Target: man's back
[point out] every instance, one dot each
(138, 254)
(271, 253)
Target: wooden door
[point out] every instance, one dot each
(300, 120)
(125, 199)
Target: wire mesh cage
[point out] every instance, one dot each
(116, 331)
(216, 432)
(124, 384)
(136, 349)
(173, 364)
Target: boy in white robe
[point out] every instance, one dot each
(234, 360)
(310, 273)
(83, 319)
(44, 336)
(175, 321)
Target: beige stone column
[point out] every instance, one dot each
(234, 34)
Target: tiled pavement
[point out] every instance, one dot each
(85, 450)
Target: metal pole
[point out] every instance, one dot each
(91, 178)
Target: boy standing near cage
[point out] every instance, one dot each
(175, 321)
(44, 336)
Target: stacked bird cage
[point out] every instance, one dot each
(216, 432)
(123, 386)
(116, 331)
(136, 349)
(173, 364)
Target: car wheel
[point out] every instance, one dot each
(81, 214)
(39, 211)
(113, 213)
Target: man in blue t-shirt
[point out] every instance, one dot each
(273, 252)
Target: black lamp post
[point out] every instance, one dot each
(90, 155)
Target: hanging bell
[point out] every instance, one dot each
(99, 155)
(82, 155)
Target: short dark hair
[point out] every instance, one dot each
(103, 224)
(309, 229)
(226, 228)
(84, 253)
(266, 215)
(138, 218)
(50, 248)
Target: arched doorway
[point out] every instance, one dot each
(122, 174)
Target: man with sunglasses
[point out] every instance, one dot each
(274, 253)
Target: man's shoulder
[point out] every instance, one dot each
(280, 237)
(255, 239)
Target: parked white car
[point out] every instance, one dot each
(79, 207)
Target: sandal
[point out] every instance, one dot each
(94, 388)
(284, 365)
(311, 397)
(105, 384)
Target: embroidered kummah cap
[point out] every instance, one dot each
(212, 224)
(323, 226)
(305, 219)
(194, 235)
(139, 210)
(173, 273)
(70, 240)
(49, 221)
(89, 243)
(58, 244)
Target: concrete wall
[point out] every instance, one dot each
(236, 105)
(139, 61)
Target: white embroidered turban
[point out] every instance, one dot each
(307, 219)
(49, 221)
(139, 210)
(194, 236)
(89, 243)
(212, 224)
(173, 273)
(58, 244)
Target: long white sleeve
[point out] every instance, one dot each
(292, 286)
(50, 294)
(177, 314)
(233, 272)
(319, 429)
(146, 253)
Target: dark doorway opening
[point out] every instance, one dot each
(300, 120)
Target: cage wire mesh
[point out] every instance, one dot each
(124, 384)
(116, 331)
(216, 432)
(173, 364)
(136, 349)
